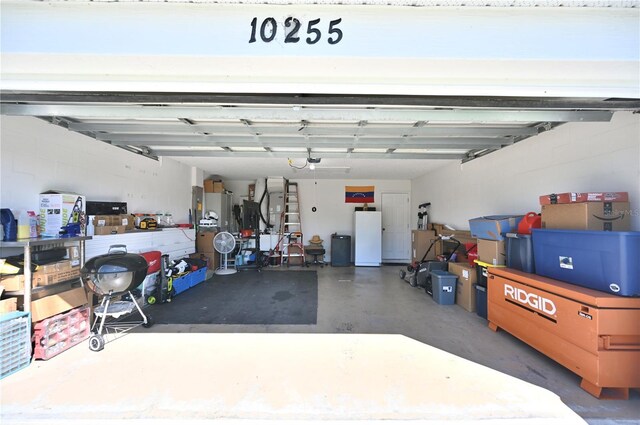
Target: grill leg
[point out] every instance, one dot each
(97, 318)
(144, 318)
(104, 314)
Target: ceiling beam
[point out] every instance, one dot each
(311, 129)
(407, 143)
(265, 154)
(303, 113)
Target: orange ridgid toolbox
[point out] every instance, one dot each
(595, 334)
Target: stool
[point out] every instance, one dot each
(315, 253)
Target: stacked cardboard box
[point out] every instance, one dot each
(42, 278)
(465, 290)
(586, 211)
(112, 224)
(490, 232)
(421, 240)
(205, 249)
(213, 186)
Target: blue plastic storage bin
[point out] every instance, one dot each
(197, 277)
(605, 261)
(493, 227)
(181, 284)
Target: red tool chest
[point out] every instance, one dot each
(592, 333)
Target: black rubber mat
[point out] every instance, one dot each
(245, 298)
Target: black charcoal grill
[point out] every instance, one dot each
(110, 276)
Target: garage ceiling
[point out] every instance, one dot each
(402, 90)
(342, 130)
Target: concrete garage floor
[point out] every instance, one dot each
(375, 301)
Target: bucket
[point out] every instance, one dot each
(530, 221)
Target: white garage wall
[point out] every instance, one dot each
(333, 215)
(37, 156)
(577, 157)
(240, 189)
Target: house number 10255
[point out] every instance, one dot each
(268, 29)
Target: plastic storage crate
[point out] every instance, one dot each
(15, 342)
(56, 334)
(604, 261)
(444, 287)
(198, 276)
(181, 284)
(519, 250)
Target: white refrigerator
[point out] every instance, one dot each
(368, 238)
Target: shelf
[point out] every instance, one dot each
(42, 291)
(42, 241)
(28, 246)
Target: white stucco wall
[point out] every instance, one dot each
(576, 157)
(36, 156)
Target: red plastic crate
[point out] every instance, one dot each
(56, 334)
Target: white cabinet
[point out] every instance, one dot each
(173, 241)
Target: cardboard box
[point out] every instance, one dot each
(8, 305)
(56, 304)
(39, 278)
(59, 266)
(465, 292)
(493, 227)
(212, 186)
(14, 283)
(612, 216)
(492, 252)
(127, 221)
(571, 197)
(204, 241)
(212, 259)
(44, 279)
(56, 208)
(109, 230)
(420, 242)
(105, 220)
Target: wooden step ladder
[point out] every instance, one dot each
(291, 226)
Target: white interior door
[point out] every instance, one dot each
(396, 235)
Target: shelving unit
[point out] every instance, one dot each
(245, 245)
(40, 244)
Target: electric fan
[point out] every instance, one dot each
(224, 243)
